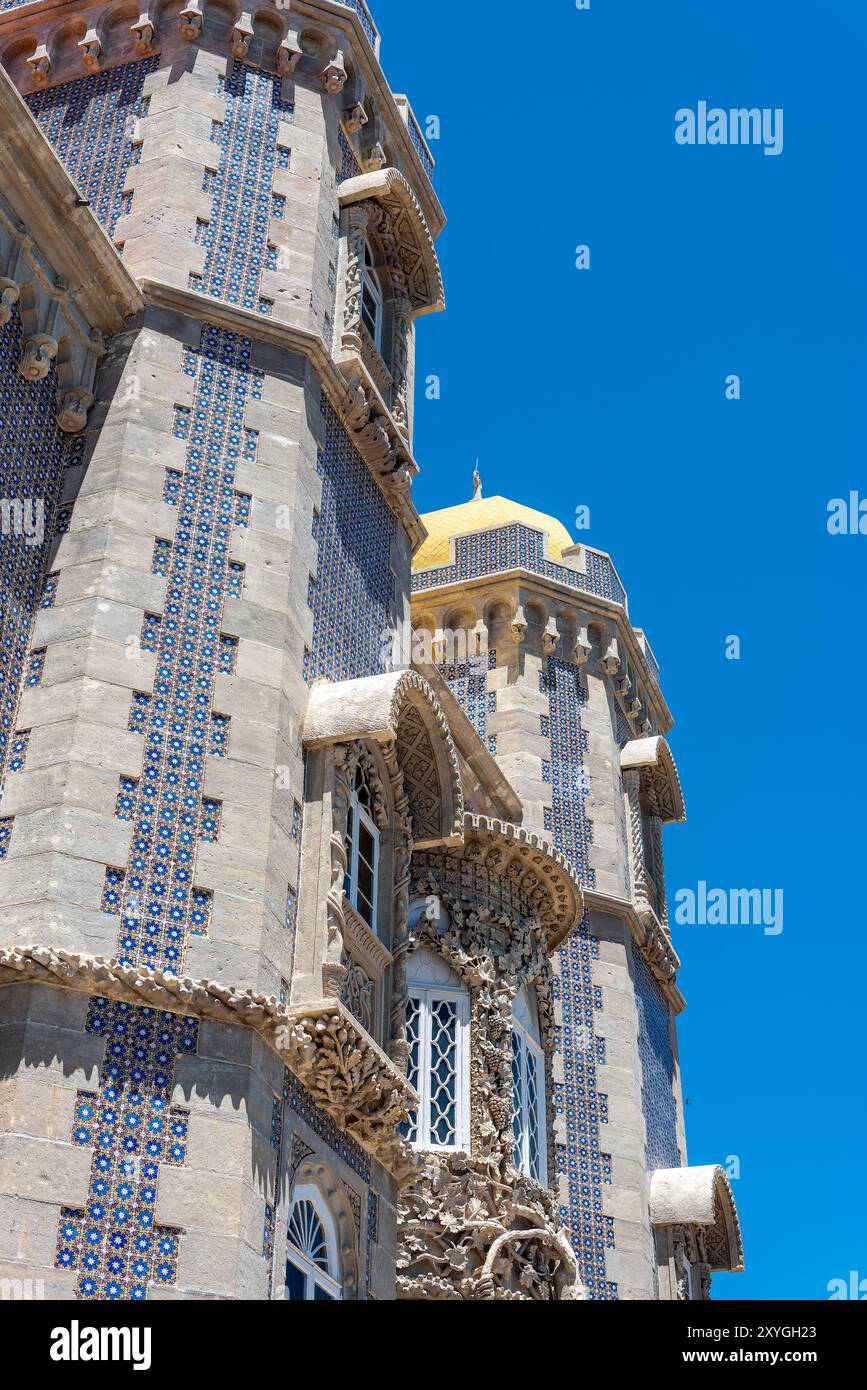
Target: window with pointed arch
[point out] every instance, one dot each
(312, 1268)
(362, 850)
(437, 1034)
(372, 297)
(528, 1088)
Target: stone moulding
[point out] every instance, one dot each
(371, 428)
(700, 1197)
(347, 1075)
(650, 939)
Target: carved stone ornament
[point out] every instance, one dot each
(241, 37)
(334, 74)
(288, 54)
(190, 21)
(73, 406)
(38, 353)
(349, 1077)
(463, 1235)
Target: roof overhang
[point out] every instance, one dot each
(379, 709)
(654, 757)
(392, 191)
(700, 1197)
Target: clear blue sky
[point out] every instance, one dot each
(607, 389)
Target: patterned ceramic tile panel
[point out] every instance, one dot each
(236, 237)
(132, 1127)
(33, 454)
(657, 1068)
(364, 15)
(352, 599)
(519, 547)
(90, 124)
(570, 825)
(468, 682)
(583, 1111)
(161, 905)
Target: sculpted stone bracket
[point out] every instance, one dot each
(465, 1234)
(55, 335)
(322, 1044)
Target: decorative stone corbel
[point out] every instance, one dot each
(190, 19)
(635, 708)
(582, 649)
(646, 728)
(90, 48)
(40, 350)
(334, 75)
(241, 37)
(623, 687)
(288, 54)
(373, 158)
(40, 66)
(550, 637)
(9, 294)
(145, 33)
(355, 118)
(611, 659)
(72, 408)
(74, 402)
(519, 625)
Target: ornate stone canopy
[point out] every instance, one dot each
(700, 1197)
(509, 871)
(653, 758)
(415, 246)
(398, 707)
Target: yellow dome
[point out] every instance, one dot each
(481, 515)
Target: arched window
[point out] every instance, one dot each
(371, 298)
(362, 850)
(312, 1272)
(528, 1088)
(437, 1032)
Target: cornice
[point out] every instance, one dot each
(650, 938)
(323, 1045)
(64, 229)
(350, 404)
(565, 594)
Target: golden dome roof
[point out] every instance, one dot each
(481, 515)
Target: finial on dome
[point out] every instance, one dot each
(477, 484)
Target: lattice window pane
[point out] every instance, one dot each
(443, 1072)
(413, 1039)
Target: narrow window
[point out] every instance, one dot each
(362, 851)
(371, 299)
(528, 1089)
(437, 1027)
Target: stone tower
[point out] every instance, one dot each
(216, 237)
(277, 914)
(533, 635)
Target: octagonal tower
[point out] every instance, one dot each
(533, 635)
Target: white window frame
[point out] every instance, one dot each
(370, 282)
(361, 816)
(530, 1054)
(427, 997)
(314, 1275)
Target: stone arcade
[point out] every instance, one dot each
(318, 979)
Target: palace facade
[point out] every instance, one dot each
(334, 953)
